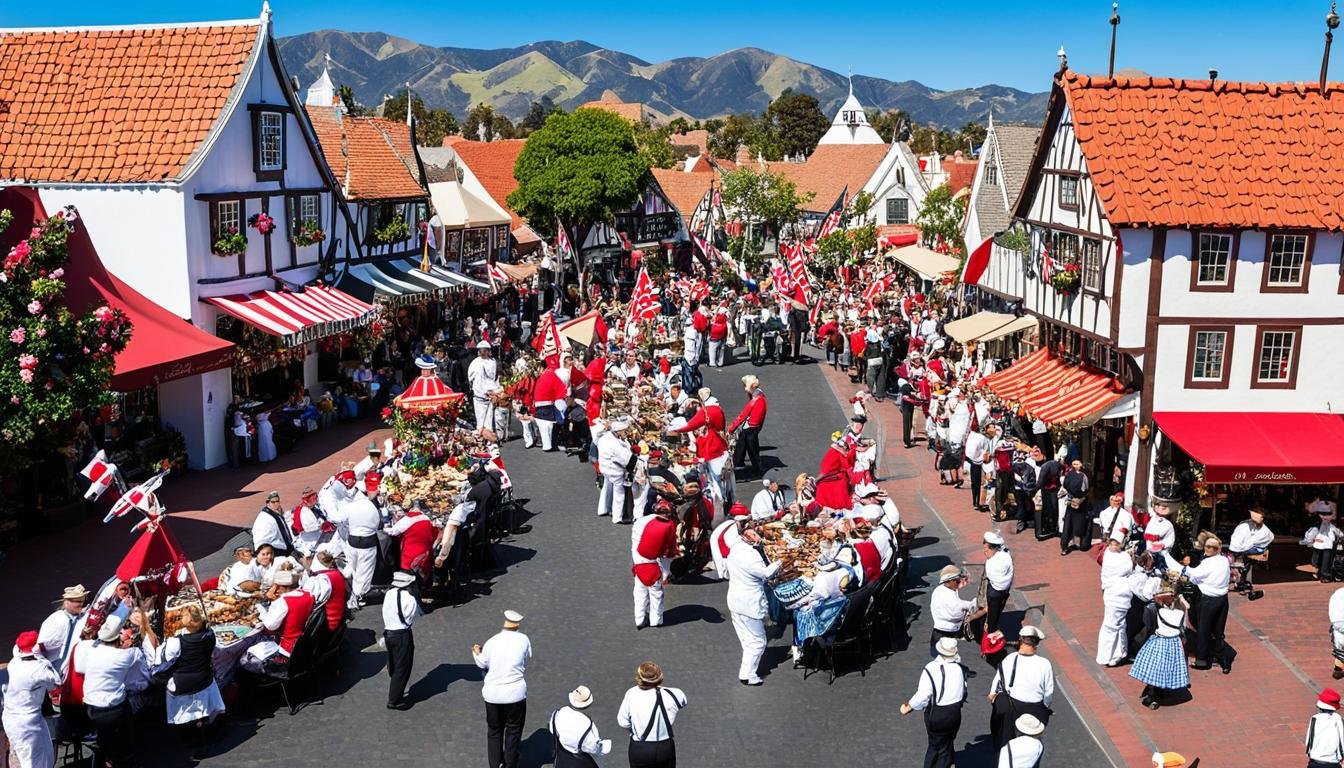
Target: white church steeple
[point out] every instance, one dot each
(322, 93)
(850, 125)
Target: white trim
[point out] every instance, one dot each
(198, 157)
(126, 27)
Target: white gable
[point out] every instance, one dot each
(322, 93)
(850, 125)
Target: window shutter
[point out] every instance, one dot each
(214, 225)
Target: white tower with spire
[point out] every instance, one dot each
(322, 93)
(850, 125)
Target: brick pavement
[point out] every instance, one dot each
(1264, 704)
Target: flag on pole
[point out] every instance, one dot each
(977, 262)
(701, 217)
(547, 341)
(643, 304)
(798, 272)
(562, 245)
(875, 289)
(136, 498)
(699, 291)
(779, 278)
(498, 277)
(832, 220)
(814, 315)
(100, 473)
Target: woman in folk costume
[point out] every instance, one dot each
(1160, 664)
(31, 678)
(835, 489)
(193, 700)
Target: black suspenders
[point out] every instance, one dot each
(658, 710)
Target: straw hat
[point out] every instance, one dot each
(110, 630)
(1028, 725)
(947, 648)
(949, 573)
(77, 592)
(649, 675)
(581, 697)
(512, 619)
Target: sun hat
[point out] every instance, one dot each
(1031, 631)
(77, 592)
(403, 579)
(993, 537)
(1328, 700)
(947, 647)
(648, 675)
(949, 573)
(1028, 725)
(285, 579)
(581, 697)
(1168, 760)
(512, 618)
(110, 630)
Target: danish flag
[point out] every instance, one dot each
(643, 305)
(137, 498)
(101, 476)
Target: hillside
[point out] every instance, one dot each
(375, 64)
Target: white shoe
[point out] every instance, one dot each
(797, 653)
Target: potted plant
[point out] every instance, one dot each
(230, 243)
(308, 233)
(394, 231)
(1066, 279)
(262, 222)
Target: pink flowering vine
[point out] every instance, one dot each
(27, 362)
(18, 335)
(26, 375)
(34, 307)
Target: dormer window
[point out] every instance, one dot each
(268, 140)
(991, 174)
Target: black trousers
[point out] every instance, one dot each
(1324, 560)
(994, 603)
(400, 657)
(1026, 508)
(1077, 525)
(1135, 632)
(653, 754)
(977, 476)
(504, 724)
(1047, 516)
(115, 727)
(1003, 717)
(748, 444)
(1210, 621)
(941, 722)
(935, 636)
(907, 421)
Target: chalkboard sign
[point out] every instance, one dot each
(648, 228)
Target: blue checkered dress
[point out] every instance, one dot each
(1161, 664)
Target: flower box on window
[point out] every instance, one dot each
(230, 243)
(395, 231)
(308, 233)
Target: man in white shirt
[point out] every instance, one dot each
(271, 528)
(1023, 685)
(1251, 537)
(1115, 520)
(771, 501)
(1212, 576)
(979, 453)
(243, 575)
(113, 667)
(941, 692)
(1325, 732)
(400, 610)
(31, 678)
(58, 633)
(1025, 750)
(647, 713)
(359, 519)
(373, 459)
(999, 574)
(504, 659)
(576, 737)
(614, 461)
(948, 610)
(1159, 534)
(483, 376)
(747, 574)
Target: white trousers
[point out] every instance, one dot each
(641, 494)
(751, 634)
(530, 433)
(692, 348)
(612, 500)
(546, 428)
(362, 562)
(716, 353)
(483, 409)
(649, 602)
(29, 740)
(719, 490)
(1112, 644)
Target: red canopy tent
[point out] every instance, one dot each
(163, 346)
(427, 393)
(156, 550)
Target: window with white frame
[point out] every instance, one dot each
(228, 217)
(1090, 259)
(898, 210)
(270, 141)
(991, 174)
(1286, 261)
(1208, 362)
(1214, 259)
(310, 210)
(1275, 359)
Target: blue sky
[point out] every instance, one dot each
(942, 44)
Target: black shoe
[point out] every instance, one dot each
(401, 706)
(748, 682)
(1063, 552)
(1338, 674)
(1020, 527)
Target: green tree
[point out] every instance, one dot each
(56, 360)
(352, 107)
(536, 115)
(764, 200)
(580, 168)
(679, 125)
(856, 237)
(480, 115)
(431, 125)
(732, 133)
(971, 135)
(501, 128)
(940, 219)
(891, 125)
(712, 125)
(655, 144)
(796, 122)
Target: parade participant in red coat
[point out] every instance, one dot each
(711, 447)
(283, 620)
(653, 544)
(324, 567)
(752, 418)
(548, 391)
(834, 490)
(597, 377)
(417, 539)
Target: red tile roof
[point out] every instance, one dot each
(114, 105)
(960, 173)
(375, 152)
(1191, 153)
(491, 162)
(699, 139)
(832, 169)
(684, 190)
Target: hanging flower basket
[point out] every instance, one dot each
(394, 231)
(1066, 279)
(308, 233)
(261, 222)
(230, 244)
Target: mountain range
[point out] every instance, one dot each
(375, 64)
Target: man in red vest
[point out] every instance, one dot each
(417, 539)
(653, 544)
(751, 419)
(550, 389)
(710, 445)
(283, 621)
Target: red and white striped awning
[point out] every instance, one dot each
(1054, 391)
(427, 393)
(313, 313)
